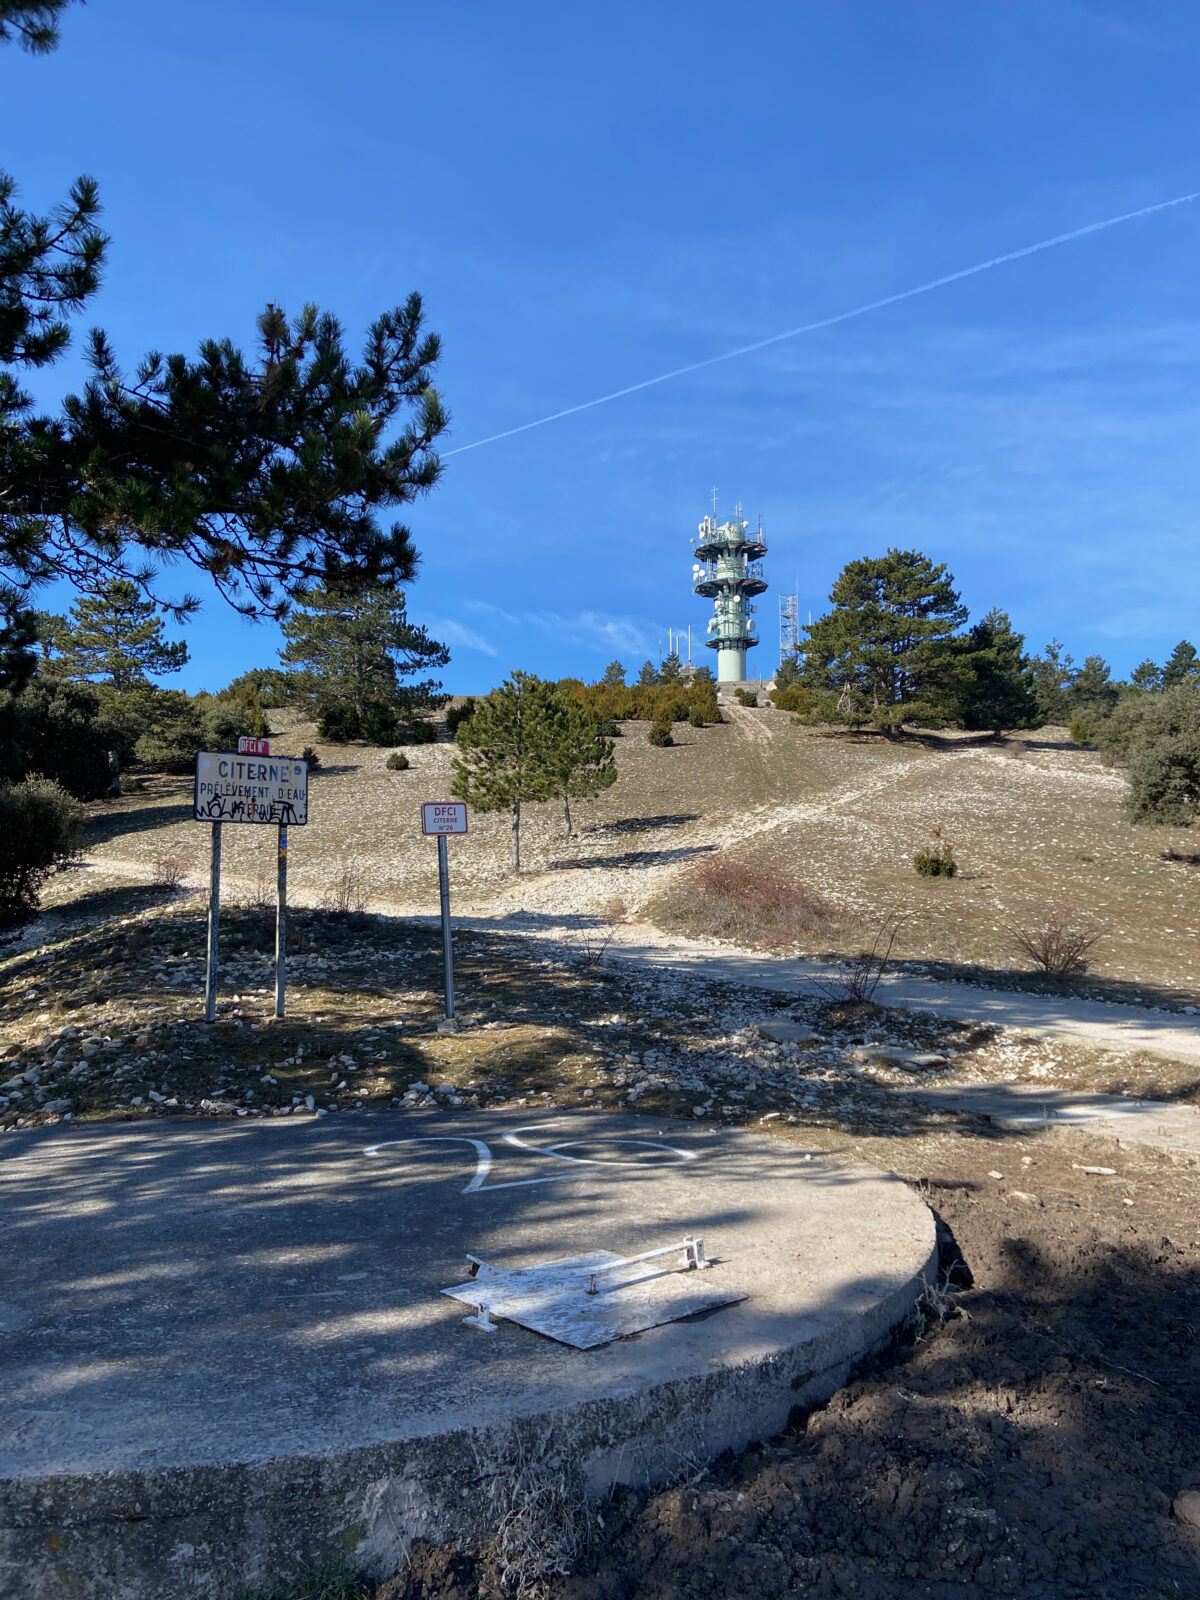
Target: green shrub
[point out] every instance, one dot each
(339, 722)
(696, 717)
(54, 729)
(1164, 780)
(228, 720)
(174, 728)
(745, 697)
(420, 732)
(660, 735)
(40, 827)
(397, 762)
(457, 715)
(1158, 735)
(309, 755)
(1081, 730)
(380, 724)
(938, 861)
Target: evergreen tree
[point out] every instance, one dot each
(583, 756)
(1182, 666)
(1053, 674)
(1147, 677)
(1092, 694)
(883, 648)
(19, 640)
(671, 670)
(268, 474)
(995, 676)
(33, 22)
(353, 649)
(649, 675)
(507, 752)
(114, 638)
(789, 674)
(614, 676)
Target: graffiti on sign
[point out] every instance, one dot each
(259, 789)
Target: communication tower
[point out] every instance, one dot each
(728, 571)
(789, 627)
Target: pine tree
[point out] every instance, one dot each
(1053, 674)
(614, 676)
(883, 648)
(1147, 677)
(354, 649)
(996, 681)
(1182, 666)
(789, 674)
(1092, 694)
(671, 670)
(583, 756)
(267, 473)
(115, 638)
(649, 675)
(507, 752)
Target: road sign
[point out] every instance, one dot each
(271, 789)
(444, 816)
(253, 747)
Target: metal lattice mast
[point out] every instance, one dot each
(728, 571)
(789, 627)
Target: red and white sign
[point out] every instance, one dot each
(253, 747)
(443, 816)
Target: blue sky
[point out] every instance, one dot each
(587, 196)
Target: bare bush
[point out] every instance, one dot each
(594, 941)
(726, 899)
(347, 895)
(169, 871)
(862, 976)
(1059, 945)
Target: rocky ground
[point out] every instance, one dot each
(102, 1017)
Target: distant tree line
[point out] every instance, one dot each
(895, 651)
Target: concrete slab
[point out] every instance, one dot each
(227, 1351)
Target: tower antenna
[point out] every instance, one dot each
(727, 571)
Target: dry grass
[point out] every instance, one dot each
(724, 899)
(348, 894)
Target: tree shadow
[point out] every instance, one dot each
(631, 858)
(1117, 991)
(145, 819)
(645, 824)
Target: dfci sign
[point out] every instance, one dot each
(443, 816)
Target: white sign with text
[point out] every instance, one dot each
(262, 789)
(443, 816)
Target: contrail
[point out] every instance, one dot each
(829, 322)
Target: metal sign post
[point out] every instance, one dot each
(442, 817)
(214, 915)
(255, 787)
(281, 921)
